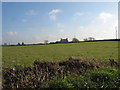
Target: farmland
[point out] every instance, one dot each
(26, 55)
(53, 69)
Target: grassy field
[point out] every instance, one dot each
(53, 75)
(26, 55)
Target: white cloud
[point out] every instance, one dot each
(0, 38)
(11, 33)
(81, 28)
(52, 37)
(53, 17)
(101, 27)
(52, 14)
(31, 12)
(104, 17)
(60, 25)
(62, 30)
(79, 14)
(24, 20)
(54, 11)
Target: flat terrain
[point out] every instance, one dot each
(25, 55)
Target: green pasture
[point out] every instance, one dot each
(100, 51)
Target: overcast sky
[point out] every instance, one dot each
(32, 22)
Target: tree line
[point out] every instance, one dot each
(74, 40)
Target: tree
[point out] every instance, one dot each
(91, 38)
(75, 40)
(85, 39)
(5, 44)
(45, 41)
(23, 43)
(18, 44)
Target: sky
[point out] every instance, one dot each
(60, 0)
(34, 22)
(0, 23)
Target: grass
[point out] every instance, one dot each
(104, 77)
(26, 55)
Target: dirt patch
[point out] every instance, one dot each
(78, 65)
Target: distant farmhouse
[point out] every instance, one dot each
(63, 41)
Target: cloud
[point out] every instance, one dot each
(0, 38)
(11, 33)
(52, 37)
(79, 14)
(104, 16)
(81, 28)
(24, 20)
(60, 25)
(102, 26)
(52, 14)
(31, 12)
(107, 19)
(62, 30)
(54, 11)
(53, 17)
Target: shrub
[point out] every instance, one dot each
(105, 78)
(102, 78)
(57, 83)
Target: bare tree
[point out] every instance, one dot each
(85, 39)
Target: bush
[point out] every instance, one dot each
(58, 82)
(103, 78)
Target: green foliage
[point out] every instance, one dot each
(103, 78)
(59, 83)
